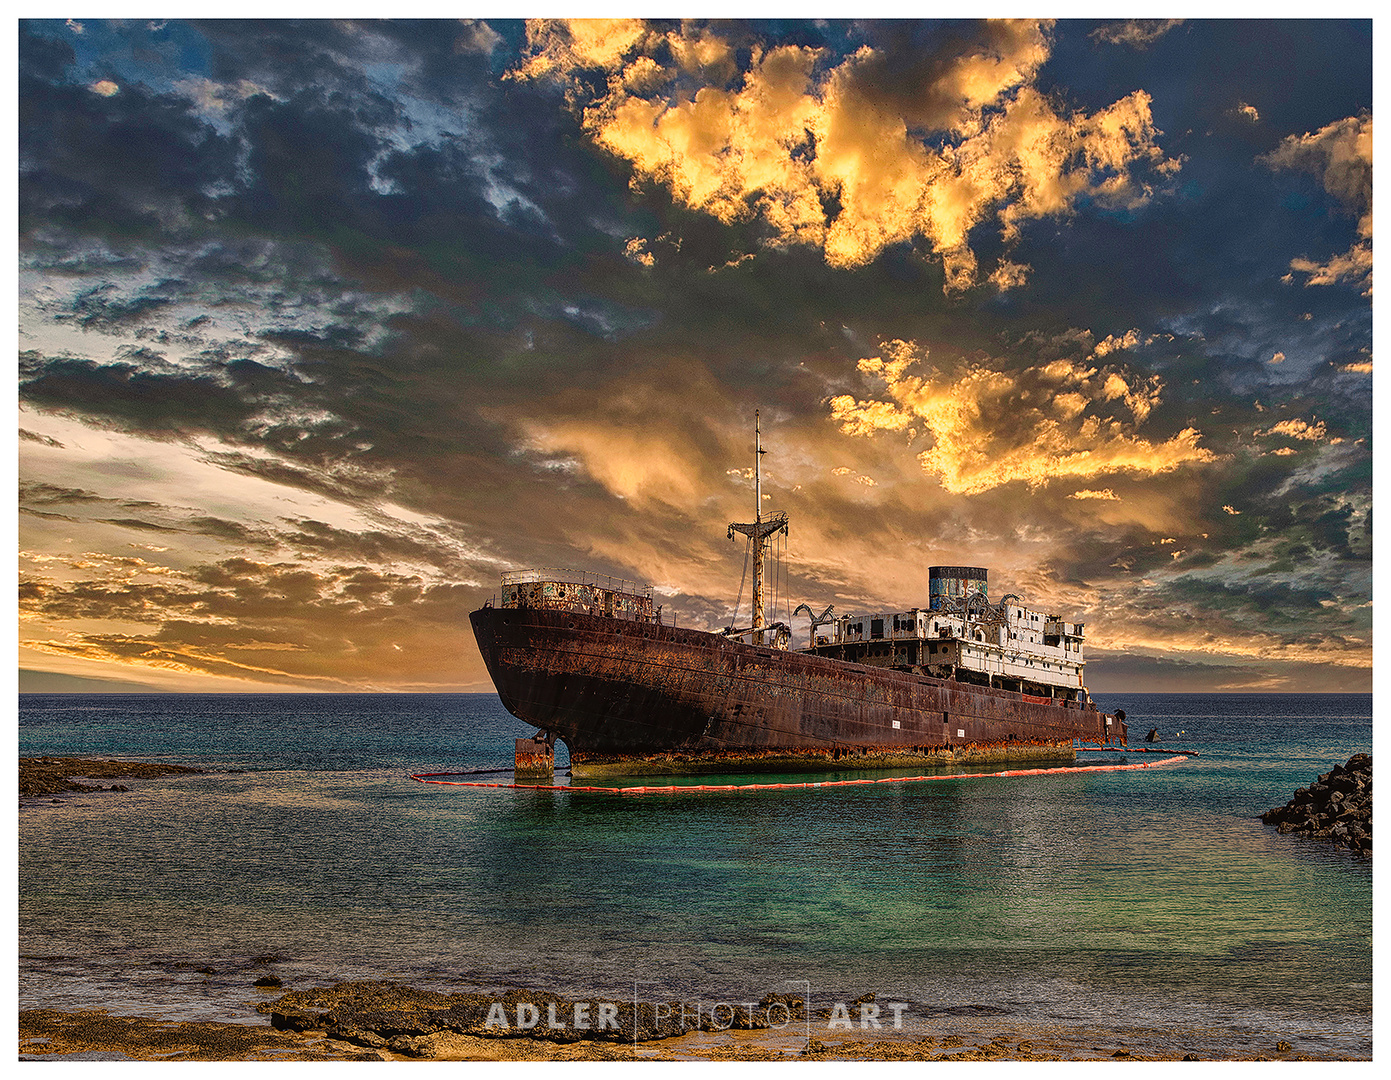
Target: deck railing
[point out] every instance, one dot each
(576, 577)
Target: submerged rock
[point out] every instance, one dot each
(1336, 807)
(53, 776)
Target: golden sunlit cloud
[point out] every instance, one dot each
(1298, 429)
(1105, 493)
(989, 427)
(1010, 275)
(636, 250)
(557, 46)
(1111, 343)
(789, 138)
(1340, 155)
(105, 88)
(134, 654)
(630, 463)
(1353, 265)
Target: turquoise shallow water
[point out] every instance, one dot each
(1155, 897)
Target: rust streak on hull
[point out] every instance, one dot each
(637, 697)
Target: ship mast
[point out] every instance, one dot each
(759, 531)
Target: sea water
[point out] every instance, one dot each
(1150, 898)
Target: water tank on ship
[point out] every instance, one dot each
(954, 582)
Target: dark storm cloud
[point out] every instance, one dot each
(372, 547)
(416, 222)
(100, 309)
(317, 160)
(42, 440)
(50, 494)
(159, 404)
(39, 494)
(134, 164)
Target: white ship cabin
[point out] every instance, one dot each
(961, 635)
(576, 590)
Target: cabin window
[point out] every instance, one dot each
(876, 628)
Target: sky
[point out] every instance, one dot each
(325, 325)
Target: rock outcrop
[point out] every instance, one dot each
(407, 1021)
(1336, 807)
(53, 776)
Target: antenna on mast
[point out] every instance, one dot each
(758, 531)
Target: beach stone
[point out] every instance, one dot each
(358, 1036)
(414, 1045)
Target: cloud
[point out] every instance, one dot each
(1340, 155)
(988, 427)
(874, 151)
(475, 35)
(1137, 33)
(281, 622)
(558, 46)
(1111, 343)
(1298, 429)
(220, 98)
(1008, 275)
(1353, 266)
(1105, 493)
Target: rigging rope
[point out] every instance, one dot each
(734, 619)
(777, 565)
(787, 584)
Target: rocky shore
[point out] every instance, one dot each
(54, 776)
(386, 1021)
(1337, 807)
(411, 1022)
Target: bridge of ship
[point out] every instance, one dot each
(579, 591)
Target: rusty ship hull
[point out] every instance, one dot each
(632, 697)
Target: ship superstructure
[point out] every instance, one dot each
(962, 635)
